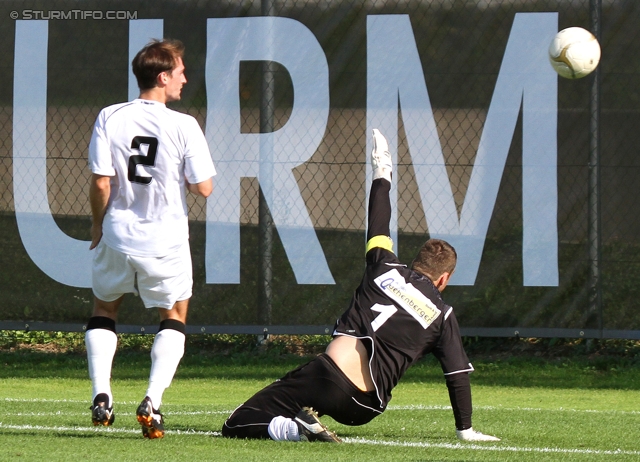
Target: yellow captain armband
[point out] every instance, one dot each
(383, 242)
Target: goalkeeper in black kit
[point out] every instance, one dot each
(396, 316)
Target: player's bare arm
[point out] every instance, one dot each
(204, 188)
(99, 192)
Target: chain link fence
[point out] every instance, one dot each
(461, 47)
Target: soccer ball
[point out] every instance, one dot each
(574, 52)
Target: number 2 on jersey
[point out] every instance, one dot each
(386, 311)
(149, 159)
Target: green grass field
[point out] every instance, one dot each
(544, 410)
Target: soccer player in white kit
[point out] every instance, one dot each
(143, 158)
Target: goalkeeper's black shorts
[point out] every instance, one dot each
(319, 384)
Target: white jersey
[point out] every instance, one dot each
(148, 150)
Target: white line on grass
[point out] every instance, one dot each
(101, 429)
(61, 413)
(73, 401)
(46, 400)
(458, 446)
(42, 400)
(491, 448)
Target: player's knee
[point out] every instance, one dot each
(232, 429)
(246, 423)
(227, 431)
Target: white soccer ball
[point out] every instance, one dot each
(574, 52)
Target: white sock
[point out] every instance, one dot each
(101, 348)
(283, 429)
(166, 353)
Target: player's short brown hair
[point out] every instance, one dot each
(156, 57)
(435, 258)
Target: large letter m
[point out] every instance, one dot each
(525, 82)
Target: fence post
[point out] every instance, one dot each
(265, 220)
(595, 239)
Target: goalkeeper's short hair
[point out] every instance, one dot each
(435, 258)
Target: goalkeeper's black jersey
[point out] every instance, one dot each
(400, 316)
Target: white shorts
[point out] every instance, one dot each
(160, 281)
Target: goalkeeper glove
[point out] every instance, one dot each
(381, 157)
(471, 435)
